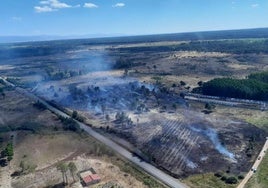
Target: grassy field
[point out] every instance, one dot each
(261, 122)
(206, 181)
(254, 117)
(260, 179)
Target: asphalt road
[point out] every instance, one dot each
(255, 165)
(158, 174)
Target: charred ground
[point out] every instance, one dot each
(134, 91)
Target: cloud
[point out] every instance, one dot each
(17, 19)
(51, 5)
(118, 5)
(39, 9)
(55, 4)
(255, 5)
(90, 5)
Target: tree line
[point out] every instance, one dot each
(254, 87)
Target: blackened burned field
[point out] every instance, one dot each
(159, 123)
(134, 92)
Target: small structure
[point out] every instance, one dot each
(89, 177)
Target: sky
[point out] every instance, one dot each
(128, 17)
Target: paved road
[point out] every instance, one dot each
(241, 103)
(160, 175)
(255, 165)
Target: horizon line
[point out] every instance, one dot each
(114, 35)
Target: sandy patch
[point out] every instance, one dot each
(191, 54)
(6, 67)
(239, 66)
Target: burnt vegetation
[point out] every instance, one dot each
(140, 112)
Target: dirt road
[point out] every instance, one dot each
(255, 166)
(5, 177)
(158, 174)
(234, 102)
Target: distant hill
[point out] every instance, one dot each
(102, 38)
(13, 39)
(203, 35)
(10, 39)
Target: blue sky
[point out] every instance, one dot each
(128, 17)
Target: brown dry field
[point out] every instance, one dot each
(47, 151)
(47, 148)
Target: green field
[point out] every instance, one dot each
(207, 181)
(261, 122)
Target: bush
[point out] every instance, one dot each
(122, 64)
(70, 124)
(30, 126)
(76, 116)
(218, 174)
(200, 83)
(40, 105)
(182, 95)
(8, 152)
(223, 178)
(231, 180)
(209, 106)
(182, 83)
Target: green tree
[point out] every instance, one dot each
(231, 180)
(209, 106)
(72, 168)
(75, 114)
(63, 168)
(182, 83)
(236, 88)
(9, 151)
(174, 106)
(3, 95)
(107, 117)
(103, 108)
(200, 83)
(23, 166)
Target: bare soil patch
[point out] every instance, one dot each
(36, 148)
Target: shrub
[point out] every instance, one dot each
(218, 174)
(182, 83)
(223, 178)
(40, 105)
(231, 180)
(69, 124)
(209, 106)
